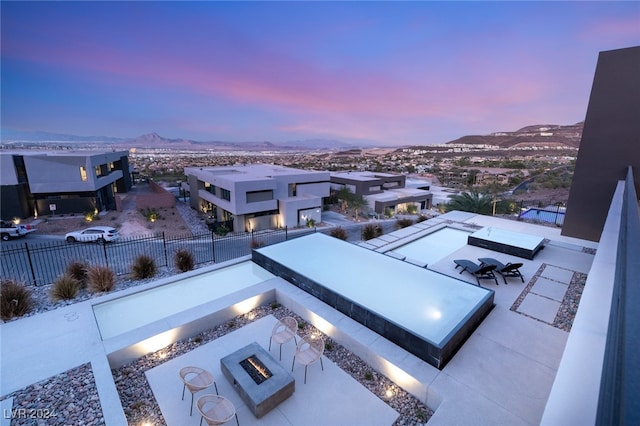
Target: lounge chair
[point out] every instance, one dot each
(508, 270)
(481, 271)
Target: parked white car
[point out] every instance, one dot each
(100, 234)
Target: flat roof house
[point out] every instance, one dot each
(61, 182)
(258, 196)
(382, 190)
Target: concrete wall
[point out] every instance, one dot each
(160, 198)
(610, 142)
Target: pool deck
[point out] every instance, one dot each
(502, 375)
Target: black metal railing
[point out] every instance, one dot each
(40, 263)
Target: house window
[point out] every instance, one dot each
(225, 194)
(293, 189)
(83, 173)
(257, 196)
(98, 171)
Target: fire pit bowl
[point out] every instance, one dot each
(260, 380)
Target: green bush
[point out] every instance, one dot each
(221, 231)
(370, 231)
(78, 270)
(15, 299)
(339, 233)
(143, 267)
(65, 287)
(183, 260)
(101, 278)
(403, 223)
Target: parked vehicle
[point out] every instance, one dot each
(100, 234)
(10, 230)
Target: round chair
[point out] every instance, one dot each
(216, 410)
(284, 331)
(309, 351)
(196, 379)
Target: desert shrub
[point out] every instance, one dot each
(151, 214)
(339, 233)
(311, 223)
(256, 243)
(78, 270)
(412, 209)
(421, 218)
(101, 278)
(403, 223)
(143, 267)
(15, 299)
(221, 231)
(65, 287)
(183, 260)
(370, 231)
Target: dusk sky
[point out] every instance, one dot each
(392, 73)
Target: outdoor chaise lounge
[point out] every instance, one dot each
(481, 271)
(508, 270)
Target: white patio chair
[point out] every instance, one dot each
(216, 410)
(284, 330)
(309, 351)
(196, 379)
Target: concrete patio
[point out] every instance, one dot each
(501, 375)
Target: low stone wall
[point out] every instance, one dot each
(159, 198)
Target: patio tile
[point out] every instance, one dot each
(539, 307)
(557, 274)
(551, 289)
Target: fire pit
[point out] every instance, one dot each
(260, 380)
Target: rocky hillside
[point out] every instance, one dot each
(539, 135)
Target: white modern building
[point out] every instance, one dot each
(384, 190)
(258, 196)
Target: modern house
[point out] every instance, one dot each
(61, 182)
(258, 196)
(382, 190)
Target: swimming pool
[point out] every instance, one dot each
(435, 246)
(424, 312)
(127, 313)
(546, 216)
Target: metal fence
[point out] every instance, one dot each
(41, 263)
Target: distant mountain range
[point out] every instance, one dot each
(536, 135)
(154, 140)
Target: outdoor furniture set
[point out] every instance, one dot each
(488, 267)
(217, 410)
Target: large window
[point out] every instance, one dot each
(225, 194)
(257, 196)
(83, 173)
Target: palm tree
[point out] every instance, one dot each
(473, 202)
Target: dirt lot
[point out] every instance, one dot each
(128, 222)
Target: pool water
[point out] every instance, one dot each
(546, 216)
(435, 246)
(130, 312)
